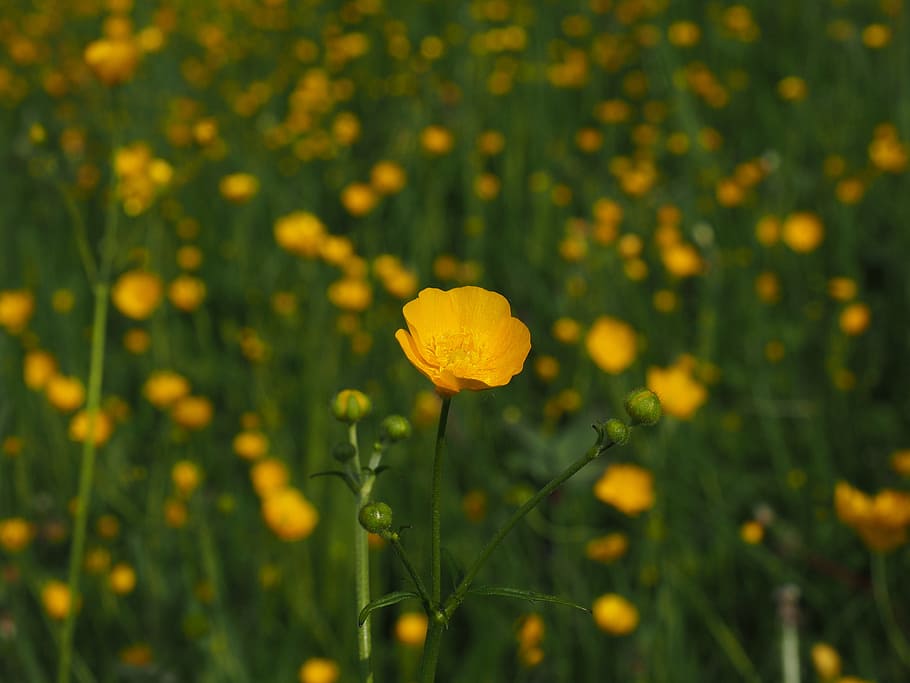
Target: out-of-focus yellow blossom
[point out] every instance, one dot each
(802, 232)
(464, 338)
(113, 61)
(16, 309)
(186, 292)
(137, 294)
(189, 257)
(881, 521)
(359, 199)
(66, 394)
(186, 476)
(268, 475)
(11, 446)
(300, 233)
(682, 260)
(855, 319)
(251, 444)
(792, 88)
(683, 34)
(351, 294)
(566, 330)
(767, 287)
(665, 300)
(546, 368)
(164, 387)
(15, 534)
(491, 142)
(886, 151)
(437, 140)
(38, 368)
(108, 526)
(175, 513)
(288, 514)
(97, 560)
(615, 615)
(679, 392)
(57, 600)
(628, 488)
(850, 190)
(336, 250)
(607, 548)
(411, 629)
(825, 661)
(137, 341)
(136, 655)
(900, 462)
(752, 532)
(767, 231)
(842, 288)
(238, 188)
(78, 428)
(474, 505)
(319, 670)
(122, 578)
(426, 408)
(530, 635)
(876, 36)
(388, 177)
(192, 412)
(612, 344)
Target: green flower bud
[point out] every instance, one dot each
(375, 517)
(643, 407)
(395, 428)
(344, 451)
(617, 431)
(350, 406)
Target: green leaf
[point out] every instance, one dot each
(384, 601)
(506, 592)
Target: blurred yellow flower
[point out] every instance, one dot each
(319, 670)
(881, 521)
(465, 338)
(680, 393)
(802, 232)
(752, 532)
(436, 140)
(186, 476)
(186, 292)
(78, 429)
(900, 462)
(38, 367)
(826, 661)
(388, 177)
(65, 393)
(615, 615)
(612, 344)
(411, 629)
(300, 233)
(113, 61)
(607, 548)
(251, 444)
(137, 294)
(288, 514)
(16, 309)
(56, 598)
(15, 534)
(192, 412)
(855, 319)
(122, 578)
(351, 294)
(165, 387)
(238, 188)
(628, 488)
(268, 475)
(358, 198)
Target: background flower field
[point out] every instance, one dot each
(705, 198)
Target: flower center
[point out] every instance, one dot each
(457, 351)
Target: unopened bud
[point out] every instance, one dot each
(350, 405)
(343, 451)
(396, 428)
(375, 517)
(643, 407)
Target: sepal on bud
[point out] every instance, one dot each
(617, 431)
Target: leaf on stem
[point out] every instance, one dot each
(337, 473)
(506, 592)
(384, 601)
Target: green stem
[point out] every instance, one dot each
(435, 554)
(361, 564)
(883, 602)
(415, 577)
(430, 652)
(461, 591)
(86, 476)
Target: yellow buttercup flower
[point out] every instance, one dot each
(319, 670)
(465, 338)
(680, 393)
(238, 188)
(411, 629)
(15, 534)
(802, 232)
(289, 514)
(165, 387)
(57, 600)
(16, 308)
(112, 61)
(826, 661)
(137, 294)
